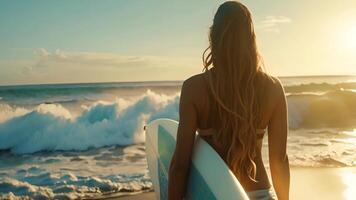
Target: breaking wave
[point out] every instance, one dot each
(330, 109)
(51, 127)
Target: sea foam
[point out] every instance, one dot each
(51, 127)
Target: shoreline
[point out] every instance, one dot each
(148, 194)
(306, 183)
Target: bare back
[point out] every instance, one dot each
(194, 113)
(207, 118)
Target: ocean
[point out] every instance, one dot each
(69, 141)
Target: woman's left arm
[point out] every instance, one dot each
(181, 160)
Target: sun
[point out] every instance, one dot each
(340, 42)
(344, 39)
(350, 37)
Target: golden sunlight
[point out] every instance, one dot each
(345, 36)
(349, 179)
(350, 37)
(352, 135)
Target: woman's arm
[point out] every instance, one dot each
(277, 144)
(181, 160)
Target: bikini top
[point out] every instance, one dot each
(212, 106)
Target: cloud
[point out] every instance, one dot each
(58, 66)
(272, 23)
(72, 66)
(87, 59)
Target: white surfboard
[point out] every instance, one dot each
(209, 176)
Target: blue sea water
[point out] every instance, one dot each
(84, 140)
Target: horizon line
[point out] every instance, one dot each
(152, 81)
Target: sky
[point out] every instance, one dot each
(114, 40)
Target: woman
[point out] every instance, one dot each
(231, 104)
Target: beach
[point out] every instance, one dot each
(307, 183)
(83, 83)
(87, 141)
(139, 196)
(323, 183)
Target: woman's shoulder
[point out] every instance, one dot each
(273, 87)
(194, 82)
(194, 86)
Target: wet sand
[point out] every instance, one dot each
(143, 196)
(129, 196)
(306, 183)
(323, 183)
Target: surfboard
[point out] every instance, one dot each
(209, 176)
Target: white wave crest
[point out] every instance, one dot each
(51, 127)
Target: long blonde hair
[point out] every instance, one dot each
(234, 85)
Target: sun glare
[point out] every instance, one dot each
(345, 36)
(350, 37)
(349, 179)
